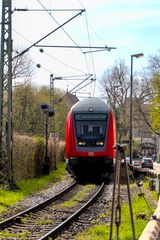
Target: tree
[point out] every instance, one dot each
(116, 85)
(25, 109)
(28, 116)
(148, 99)
(22, 67)
(155, 104)
(60, 118)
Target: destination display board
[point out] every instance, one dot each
(90, 116)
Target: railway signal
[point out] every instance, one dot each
(49, 112)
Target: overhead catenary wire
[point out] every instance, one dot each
(38, 65)
(29, 79)
(89, 40)
(96, 34)
(98, 37)
(92, 59)
(81, 83)
(75, 79)
(49, 55)
(66, 65)
(85, 85)
(91, 51)
(69, 46)
(75, 42)
(47, 35)
(82, 10)
(49, 71)
(88, 34)
(41, 10)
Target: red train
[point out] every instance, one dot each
(90, 137)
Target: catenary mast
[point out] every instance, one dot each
(6, 132)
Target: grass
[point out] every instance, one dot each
(78, 197)
(6, 234)
(155, 194)
(98, 231)
(29, 186)
(45, 221)
(141, 215)
(8, 198)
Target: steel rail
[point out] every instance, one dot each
(61, 226)
(17, 217)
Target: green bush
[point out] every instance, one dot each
(29, 156)
(59, 152)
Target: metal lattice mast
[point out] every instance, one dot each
(6, 91)
(52, 125)
(52, 120)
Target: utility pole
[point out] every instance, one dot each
(131, 106)
(52, 101)
(52, 121)
(6, 132)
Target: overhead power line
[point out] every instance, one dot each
(69, 46)
(59, 23)
(27, 49)
(42, 10)
(91, 81)
(49, 55)
(90, 75)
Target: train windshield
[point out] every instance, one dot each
(91, 128)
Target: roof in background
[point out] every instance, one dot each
(71, 99)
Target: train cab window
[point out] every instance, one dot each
(85, 129)
(96, 130)
(90, 129)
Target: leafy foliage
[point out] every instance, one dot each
(155, 105)
(28, 116)
(24, 108)
(116, 84)
(146, 97)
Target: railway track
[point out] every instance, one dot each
(46, 219)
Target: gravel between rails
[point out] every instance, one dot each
(99, 212)
(95, 214)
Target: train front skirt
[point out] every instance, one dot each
(89, 167)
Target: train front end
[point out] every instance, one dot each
(90, 137)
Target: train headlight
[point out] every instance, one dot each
(101, 143)
(81, 143)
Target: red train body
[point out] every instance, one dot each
(90, 137)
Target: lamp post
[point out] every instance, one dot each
(131, 102)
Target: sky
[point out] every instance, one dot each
(131, 26)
